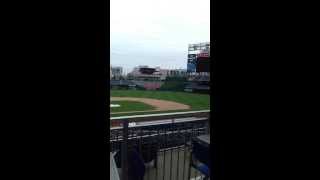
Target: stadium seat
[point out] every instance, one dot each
(148, 149)
(201, 154)
(136, 167)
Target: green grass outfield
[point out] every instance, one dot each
(130, 106)
(195, 101)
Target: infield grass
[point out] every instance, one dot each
(130, 106)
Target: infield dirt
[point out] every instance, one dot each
(160, 105)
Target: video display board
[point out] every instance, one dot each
(203, 64)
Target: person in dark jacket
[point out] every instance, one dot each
(136, 167)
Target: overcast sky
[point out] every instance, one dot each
(156, 32)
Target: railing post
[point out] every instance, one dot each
(156, 119)
(124, 151)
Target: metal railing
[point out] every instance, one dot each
(163, 140)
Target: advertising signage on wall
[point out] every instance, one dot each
(192, 58)
(191, 66)
(203, 55)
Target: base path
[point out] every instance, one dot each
(159, 105)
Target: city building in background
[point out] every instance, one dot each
(116, 72)
(110, 73)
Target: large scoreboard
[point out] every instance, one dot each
(199, 57)
(203, 64)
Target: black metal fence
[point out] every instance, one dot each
(162, 141)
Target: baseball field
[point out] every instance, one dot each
(134, 102)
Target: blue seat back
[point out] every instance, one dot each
(136, 167)
(201, 152)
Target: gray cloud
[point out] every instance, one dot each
(156, 32)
